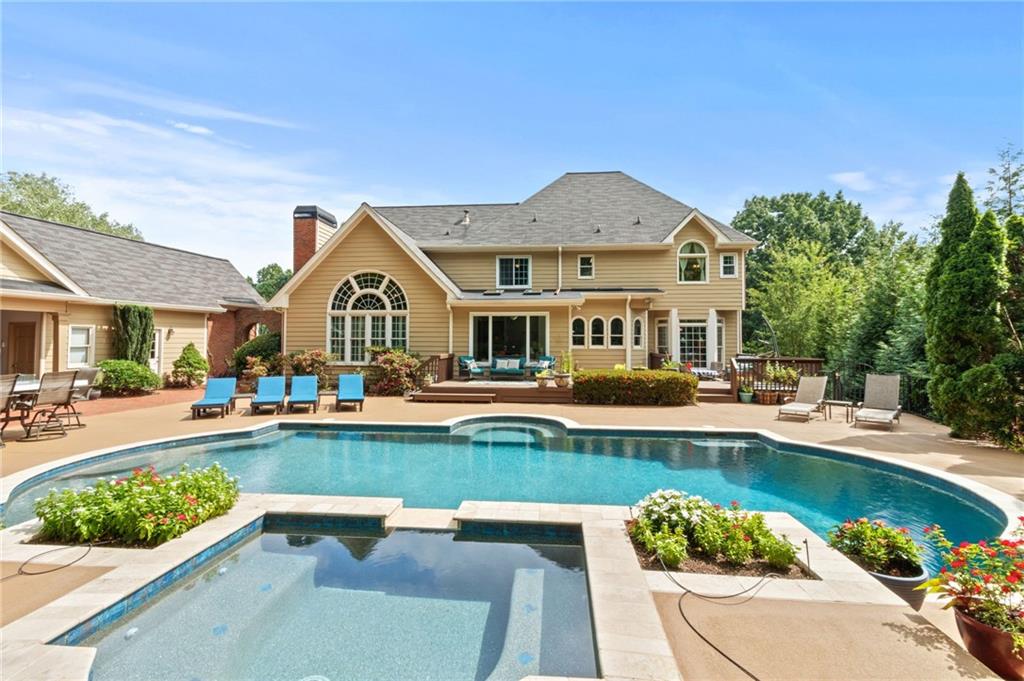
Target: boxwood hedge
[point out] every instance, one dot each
(616, 386)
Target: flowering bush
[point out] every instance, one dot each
(394, 373)
(659, 387)
(310, 363)
(877, 547)
(985, 580)
(670, 522)
(142, 508)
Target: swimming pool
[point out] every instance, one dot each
(328, 607)
(531, 460)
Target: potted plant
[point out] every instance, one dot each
(562, 377)
(984, 583)
(746, 394)
(542, 377)
(888, 553)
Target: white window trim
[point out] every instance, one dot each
(658, 326)
(490, 339)
(680, 256)
(586, 333)
(91, 355)
(529, 271)
(699, 324)
(633, 335)
(735, 266)
(608, 332)
(590, 332)
(348, 314)
(579, 265)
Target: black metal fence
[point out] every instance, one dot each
(846, 382)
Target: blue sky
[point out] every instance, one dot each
(206, 124)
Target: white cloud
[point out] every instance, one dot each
(170, 103)
(857, 180)
(194, 129)
(180, 189)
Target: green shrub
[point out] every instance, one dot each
(133, 332)
(265, 346)
(877, 547)
(673, 522)
(125, 377)
(191, 368)
(662, 388)
(143, 508)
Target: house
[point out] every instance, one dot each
(58, 286)
(599, 263)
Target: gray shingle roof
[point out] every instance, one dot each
(576, 209)
(116, 268)
(31, 286)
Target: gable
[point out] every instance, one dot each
(15, 266)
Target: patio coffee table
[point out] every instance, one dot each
(845, 404)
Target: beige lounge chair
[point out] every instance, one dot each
(809, 394)
(881, 401)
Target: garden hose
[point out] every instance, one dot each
(21, 568)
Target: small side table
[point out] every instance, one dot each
(241, 396)
(845, 404)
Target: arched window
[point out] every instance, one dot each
(579, 332)
(638, 334)
(693, 263)
(366, 309)
(597, 332)
(616, 332)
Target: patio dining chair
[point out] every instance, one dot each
(55, 393)
(85, 380)
(810, 393)
(7, 396)
(881, 403)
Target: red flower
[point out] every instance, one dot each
(734, 503)
(964, 545)
(880, 523)
(1013, 577)
(137, 471)
(862, 520)
(149, 516)
(746, 538)
(164, 521)
(957, 564)
(927, 529)
(982, 543)
(904, 530)
(986, 578)
(181, 516)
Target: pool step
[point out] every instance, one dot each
(520, 655)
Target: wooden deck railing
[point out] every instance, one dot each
(434, 369)
(752, 371)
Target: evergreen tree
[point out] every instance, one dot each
(965, 329)
(954, 231)
(1014, 299)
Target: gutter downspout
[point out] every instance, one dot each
(451, 327)
(559, 288)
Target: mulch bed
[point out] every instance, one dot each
(702, 565)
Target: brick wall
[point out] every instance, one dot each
(304, 238)
(227, 330)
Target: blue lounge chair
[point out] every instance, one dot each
(350, 391)
(468, 367)
(219, 397)
(269, 393)
(305, 393)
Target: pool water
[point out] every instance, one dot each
(412, 605)
(526, 462)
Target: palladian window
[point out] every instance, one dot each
(693, 263)
(367, 309)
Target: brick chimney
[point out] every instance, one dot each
(311, 227)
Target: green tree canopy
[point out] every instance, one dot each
(955, 229)
(46, 197)
(1014, 300)
(270, 279)
(1005, 184)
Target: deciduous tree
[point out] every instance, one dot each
(46, 197)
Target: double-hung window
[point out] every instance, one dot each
(727, 266)
(81, 346)
(585, 267)
(513, 271)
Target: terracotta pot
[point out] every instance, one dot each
(905, 587)
(991, 646)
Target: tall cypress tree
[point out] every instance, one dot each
(1014, 299)
(965, 326)
(954, 232)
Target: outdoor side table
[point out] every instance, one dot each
(845, 404)
(241, 396)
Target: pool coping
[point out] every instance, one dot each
(995, 501)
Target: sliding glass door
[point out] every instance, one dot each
(497, 336)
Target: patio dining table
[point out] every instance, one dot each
(30, 386)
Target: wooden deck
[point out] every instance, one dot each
(493, 391)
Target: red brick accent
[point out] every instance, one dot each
(303, 241)
(227, 330)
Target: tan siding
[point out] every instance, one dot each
(179, 329)
(13, 266)
(480, 270)
(602, 357)
(368, 247)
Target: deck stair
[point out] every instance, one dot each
(434, 396)
(714, 391)
(493, 391)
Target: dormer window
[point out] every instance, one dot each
(513, 271)
(693, 263)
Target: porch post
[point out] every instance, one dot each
(711, 346)
(673, 333)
